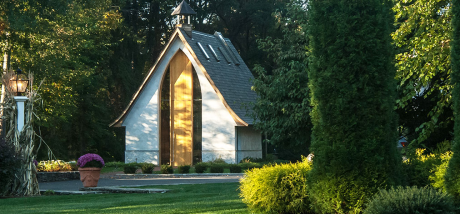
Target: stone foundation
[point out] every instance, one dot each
(57, 176)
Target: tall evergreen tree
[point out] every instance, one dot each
(452, 177)
(353, 93)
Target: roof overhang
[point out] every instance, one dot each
(177, 34)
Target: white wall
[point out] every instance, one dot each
(249, 142)
(142, 121)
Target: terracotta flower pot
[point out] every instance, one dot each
(89, 176)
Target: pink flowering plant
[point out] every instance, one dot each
(90, 160)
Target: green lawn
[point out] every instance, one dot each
(200, 198)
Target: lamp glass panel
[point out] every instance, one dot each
(22, 86)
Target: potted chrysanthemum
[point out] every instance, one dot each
(89, 166)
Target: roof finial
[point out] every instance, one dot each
(183, 12)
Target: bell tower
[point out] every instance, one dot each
(183, 12)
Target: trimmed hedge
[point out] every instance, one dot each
(216, 168)
(277, 189)
(147, 168)
(167, 169)
(201, 167)
(235, 168)
(183, 169)
(130, 168)
(411, 200)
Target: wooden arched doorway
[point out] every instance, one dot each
(180, 139)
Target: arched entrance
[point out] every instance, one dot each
(180, 139)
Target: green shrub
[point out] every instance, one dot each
(438, 172)
(183, 169)
(130, 168)
(277, 189)
(249, 165)
(410, 200)
(216, 168)
(167, 169)
(218, 161)
(9, 162)
(147, 168)
(417, 167)
(201, 167)
(115, 164)
(252, 160)
(234, 168)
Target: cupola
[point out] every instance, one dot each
(183, 12)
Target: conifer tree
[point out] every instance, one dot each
(452, 177)
(353, 94)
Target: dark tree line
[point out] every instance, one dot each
(93, 55)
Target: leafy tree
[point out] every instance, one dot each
(352, 86)
(283, 106)
(422, 38)
(67, 44)
(242, 21)
(452, 177)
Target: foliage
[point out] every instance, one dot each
(166, 169)
(25, 182)
(235, 168)
(201, 167)
(147, 168)
(94, 54)
(438, 173)
(270, 159)
(282, 107)
(115, 164)
(216, 168)
(452, 177)
(68, 44)
(417, 168)
(410, 200)
(423, 40)
(53, 166)
(218, 161)
(130, 168)
(90, 160)
(277, 189)
(242, 21)
(249, 165)
(183, 169)
(351, 80)
(10, 160)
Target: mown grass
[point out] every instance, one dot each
(200, 198)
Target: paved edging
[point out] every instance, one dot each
(122, 190)
(188, 175)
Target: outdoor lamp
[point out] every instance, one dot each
(18, 85)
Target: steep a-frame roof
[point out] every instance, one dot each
(223, 67)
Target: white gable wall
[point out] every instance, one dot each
(142, 121)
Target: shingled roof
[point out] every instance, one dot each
(225, 68)
(183, 9)
(232, 77)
